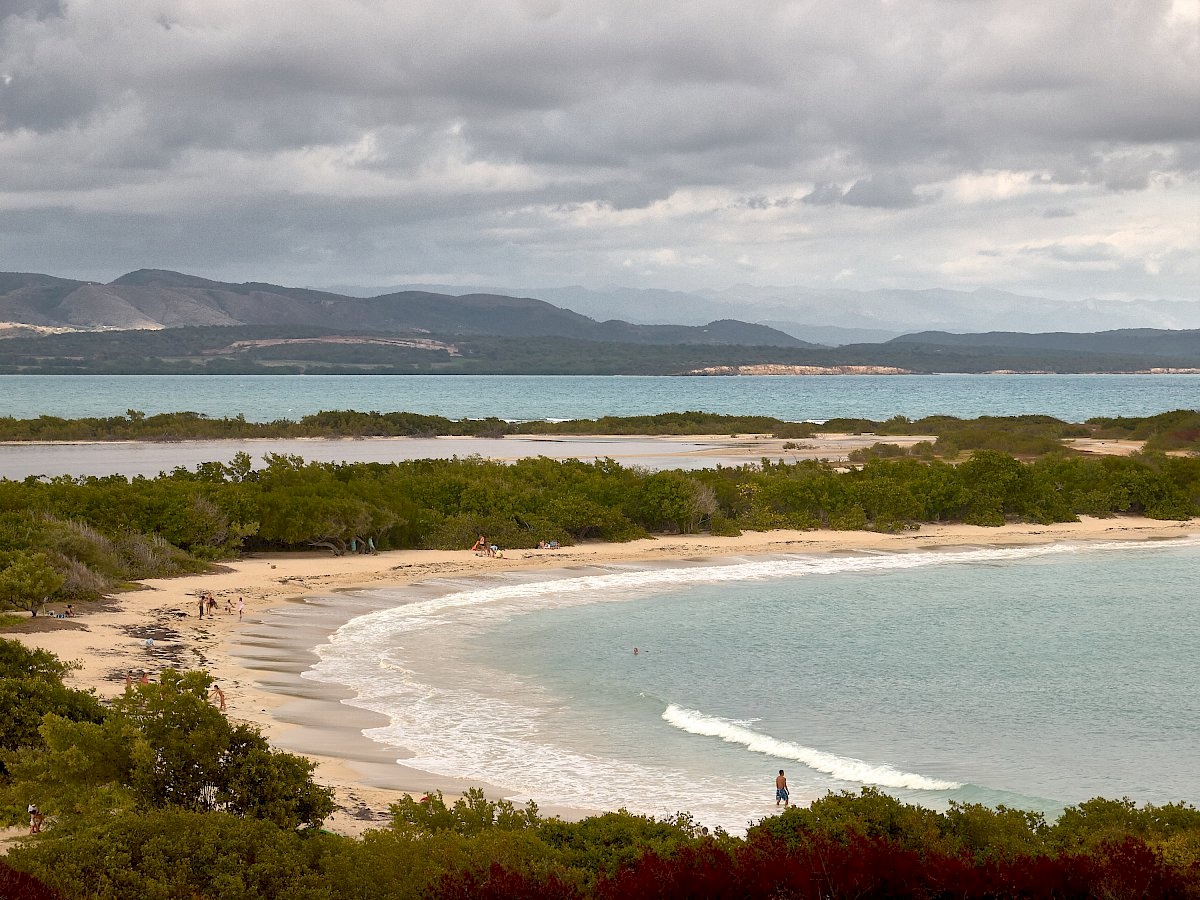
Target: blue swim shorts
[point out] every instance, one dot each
(781, 794)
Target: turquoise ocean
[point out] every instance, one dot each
(262, 398)
(1036, 677)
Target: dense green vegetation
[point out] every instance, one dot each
(69, 537)
(1178, 430)
(31, 687)
(1027, 435)
(159, 796)
(77, 538)
(1032, 435)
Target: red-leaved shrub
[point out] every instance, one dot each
(16, 885)
(498, 883)
(766, 868)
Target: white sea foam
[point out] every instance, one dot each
(840, 767)
(483, 739)
(500, 603)
(461, 719)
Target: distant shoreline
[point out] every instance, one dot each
(772, 370)
(766, 371)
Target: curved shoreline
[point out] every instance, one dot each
(293, 603)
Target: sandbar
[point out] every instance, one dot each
(149, 458)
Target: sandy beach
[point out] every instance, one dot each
(292, 603)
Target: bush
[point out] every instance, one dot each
(165, 854)
(876, 451)
(31, 687)
(722, 526)
(16, 885)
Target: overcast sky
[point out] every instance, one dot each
(1042, 147)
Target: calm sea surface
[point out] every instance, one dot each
(1035, 677)
(265, 398)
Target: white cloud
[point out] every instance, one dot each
(535, 140)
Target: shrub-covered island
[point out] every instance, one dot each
(68, 538)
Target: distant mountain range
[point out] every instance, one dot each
(156, 321)
(155, 299)
(835, 317)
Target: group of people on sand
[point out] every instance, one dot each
(215, 695)
(482, 548)
(131, 679)
(206, 601)
(360, 546)
(67, 613)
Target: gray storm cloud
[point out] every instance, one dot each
(549, 141)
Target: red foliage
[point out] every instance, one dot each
(1126, 869)
(498, 883)
(765, 868)
(1185, 436)
(16, 885)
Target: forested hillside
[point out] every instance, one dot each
(159, 322)
(1136, 341)
(152, 299)
(280, 349)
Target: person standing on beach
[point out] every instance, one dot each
(781, 789)
(219, 695)
(200, 605)
(241, 607)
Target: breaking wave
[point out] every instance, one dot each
(841, 767)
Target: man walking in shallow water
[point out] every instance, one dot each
(781, 791)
